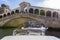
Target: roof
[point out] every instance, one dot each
(45, 7)
(30, 37)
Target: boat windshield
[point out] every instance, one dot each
(26, 32)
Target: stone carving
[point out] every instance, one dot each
(23, 5)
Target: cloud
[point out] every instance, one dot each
(50, 3)
(5, 1)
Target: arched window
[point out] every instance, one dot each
(42, 12)
(36, 11)
(16, 11)
(0, 16)
(48, 13)
(8, 14)
(55, 14)
(31, 10)
(4, 15)
(12, 12)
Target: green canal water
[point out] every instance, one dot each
(6, 32)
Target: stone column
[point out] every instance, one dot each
(45, 13)
(33, 11)
(51, 14)
(39, 12)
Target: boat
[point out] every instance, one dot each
(30, 34)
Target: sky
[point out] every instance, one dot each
(40, 3)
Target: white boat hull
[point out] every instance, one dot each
(29, 37)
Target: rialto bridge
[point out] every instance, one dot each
(49, 17)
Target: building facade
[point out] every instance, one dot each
(4, 10)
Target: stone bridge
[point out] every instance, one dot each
(47, 21)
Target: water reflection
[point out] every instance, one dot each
(33, 23)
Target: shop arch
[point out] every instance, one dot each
(4, 15)
(55, 14)
(8, 14)
(12, 12)
(36, 11)
(16, 11)
(42, 12)
(31, 10)
(0, 16)
(48, 13)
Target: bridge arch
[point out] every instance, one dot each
(16, 22)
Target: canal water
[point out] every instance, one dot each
(8, 31)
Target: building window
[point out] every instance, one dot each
(36, 11)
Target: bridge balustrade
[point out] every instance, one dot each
(48, 21)
(28, 15)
